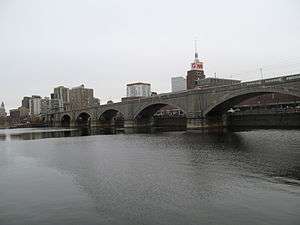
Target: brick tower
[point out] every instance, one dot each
(196, 72)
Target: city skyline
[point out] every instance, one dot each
(39, 53)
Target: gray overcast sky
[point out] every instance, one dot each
(106, 44)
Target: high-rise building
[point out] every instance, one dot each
(195, 73)
(62, 93)
(2, 110)
(35, 105)
(25, 102)
(138, 90)
(45, 105)
(52, 96)
(56, 105)
(81, 97)
(20, 115)
(60, 99)
(24, 112)
(14, 116)
(178, 84)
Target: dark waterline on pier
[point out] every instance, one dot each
(65, 176)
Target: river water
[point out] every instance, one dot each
(69, 177)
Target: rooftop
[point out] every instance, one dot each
(138, 83)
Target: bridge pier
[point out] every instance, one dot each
(96, 123)
(129, 124)
(104, 123)
(199, 123)
(73, 123)
(139, 123)
(70, 124)
(56, 124)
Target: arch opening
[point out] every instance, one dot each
(83, 120)
(260, 109)
(112, 118)
(66, 121)
(250, 101)
(164, 117)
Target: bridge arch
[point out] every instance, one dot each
(227, 101)
(112, 117)
(150, 109)
(65, 120)
(83, 119)
(109, 114)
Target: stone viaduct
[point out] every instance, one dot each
(202, 107)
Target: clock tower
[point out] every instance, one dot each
(196, 72)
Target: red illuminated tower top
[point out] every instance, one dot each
(196, 65)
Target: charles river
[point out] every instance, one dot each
(66, 177)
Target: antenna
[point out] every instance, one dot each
(196, 50)
(261, 73)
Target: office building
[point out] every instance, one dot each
(14, 116)
(35, 105)
(81, 97)
(138, 90)
(45, 105)
(56, 105)
(24, 113)
(25, 102)
(62, 93)
(178, 84)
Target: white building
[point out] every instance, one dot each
(178, 84)
(138, 90)
(35, 105)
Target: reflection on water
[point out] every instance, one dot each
(2, 137)
(37, 133)
(249, 177)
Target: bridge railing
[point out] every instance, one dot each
(250, 84)
(266, 82)
(267, 111)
